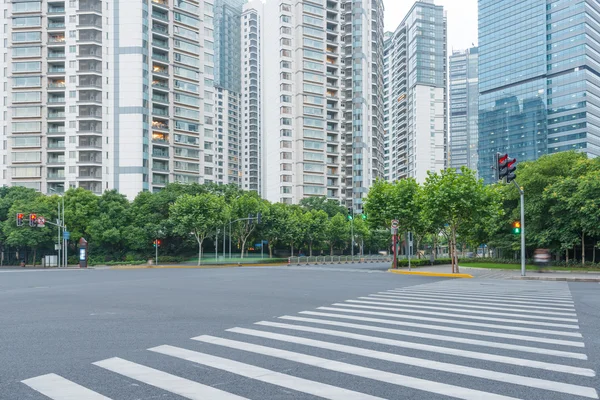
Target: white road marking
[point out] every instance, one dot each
(58, 388)
(458, 309)
(459, 315)
(467, 305)
(265, 375)
(455, 322)
(423, 335)
(162, 380)
(491, 296)
(482, 301)
(356, 370)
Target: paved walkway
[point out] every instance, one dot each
(489, 273)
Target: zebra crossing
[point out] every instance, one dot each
(467, 339)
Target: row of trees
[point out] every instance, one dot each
(562, 193)
(562, 208)
(182, 217)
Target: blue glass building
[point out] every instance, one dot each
(539, 79)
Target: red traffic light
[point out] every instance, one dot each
(510, 163)
(20, 219)
(502, 160)
(33, 220)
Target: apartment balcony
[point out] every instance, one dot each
(90, 142)
(89, 35)
(56, 55)
(56, 115)
(90, 157)
(56, 176)
(56, 26)
(89, 8)
(54, 70)
(90, 21)
(56, 159)
(90, 67)
(160, 112)
(53, 10)
(56, 129)
(160, 179)
(56, 100)
(160, 85)
(160, 57)
(163, 16)
(160, 29)
(56, 40)
(90, 173)
(162, 3)
(94, 187)
(160, 98)
(160, 166)
(56, 144)
(160, 125)
(163, 44)
(89, 81)
(90, 51)
(160, 152)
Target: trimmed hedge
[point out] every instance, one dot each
(423, 262)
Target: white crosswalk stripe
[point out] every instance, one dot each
(56, 387)
(517, 339)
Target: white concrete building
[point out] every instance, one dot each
(300, 135)
(108, 95)
(416, 94)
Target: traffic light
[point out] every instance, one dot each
(511, 166)
(32, 220)
(501, 162)
(259, 218)
(157, 243)
(516, 227)
(364, 216)
(350, 214)
(19, 219)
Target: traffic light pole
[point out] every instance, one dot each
(522, 193)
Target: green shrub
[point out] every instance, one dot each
(423, 262)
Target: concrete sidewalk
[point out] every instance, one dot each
(493, 273)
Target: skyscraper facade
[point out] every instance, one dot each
(464, 109)
(292, 99)
(538, 79)
(415, 94)
(362, 65)
(108, 95)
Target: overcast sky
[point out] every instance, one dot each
(462, 20)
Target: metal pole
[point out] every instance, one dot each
(352, 234)
(66, 251)
(217, 246)
(65, 261)
(224, 232)
(58, 223)
(262, 248)
(230, 240)
(395, 265)
(408, 242)
(522, 193)
(522, 232)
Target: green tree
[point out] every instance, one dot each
(199, 215)
(338, 232)
(294, 230)
(314, 224)
(322, 203)
(108, 229)
(456, 202)
(247, 204)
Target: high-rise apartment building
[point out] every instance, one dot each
(363, 124)
(108, 95)
(539, 79)
(227, 24)
(415, 68)
(464, 109)
(292, 99)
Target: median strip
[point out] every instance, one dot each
(425, 273)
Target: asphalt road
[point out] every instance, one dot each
(293, 333)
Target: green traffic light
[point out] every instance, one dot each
(364, 216)
(350, 218)
(517, 231)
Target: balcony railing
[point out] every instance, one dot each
(56, 25)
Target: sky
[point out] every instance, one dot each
(462, 20)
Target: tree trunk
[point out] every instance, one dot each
(567, 256)
(270, 250)
(594, 252)
(583, 249)
(34, 255)
(331, 249)
(310, 248)
(243, 246)
(199, 253)
(292, 248)
(454, 251)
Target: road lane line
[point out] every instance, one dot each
(459, 315)
(490, 296)
(56, 387)
(162, 380)
(265, 375)
(453, 321)
(423, 335)
(356, 370)
(429, 307)
(451, 299)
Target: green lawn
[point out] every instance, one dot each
(518, 267)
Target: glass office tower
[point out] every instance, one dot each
(539, 64)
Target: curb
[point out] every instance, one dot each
(438, 274)
(127, 267)
(551, 278)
